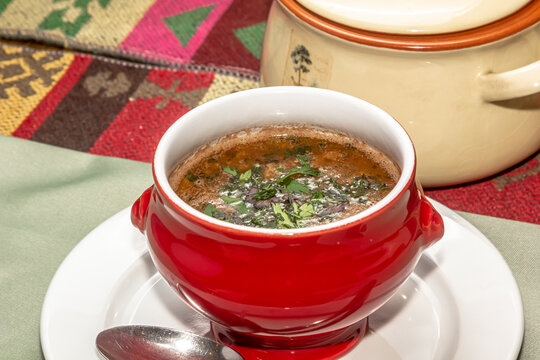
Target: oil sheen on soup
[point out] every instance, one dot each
(284, 177)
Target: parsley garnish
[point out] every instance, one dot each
(210, 210)
(230, 170)
(191, 177)
(294, 186)
(245, 176)
(304, 170)
(265, 193)
(241, 206)
(298, 196)
(306, 211)
(282, 217)
(230, 200)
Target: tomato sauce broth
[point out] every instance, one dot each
(284, 176)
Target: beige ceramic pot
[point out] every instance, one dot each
(463, 81)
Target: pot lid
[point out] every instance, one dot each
(414, 17)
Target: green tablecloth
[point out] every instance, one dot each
(51, 198)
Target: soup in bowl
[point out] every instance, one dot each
(282, 245)
(284, 176)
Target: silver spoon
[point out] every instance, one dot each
(157, 343)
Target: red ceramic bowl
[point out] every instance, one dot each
(297, 288)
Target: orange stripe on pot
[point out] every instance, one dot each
(504, 27)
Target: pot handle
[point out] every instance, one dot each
(511, 84)
(431, 222)
(139, 210)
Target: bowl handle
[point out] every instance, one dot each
(511, 84)
(139, 210)
(431, 222)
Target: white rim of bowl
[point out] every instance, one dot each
(161, 174)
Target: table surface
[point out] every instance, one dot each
(52, 198)
(99, 80)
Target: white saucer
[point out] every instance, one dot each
(461, 302)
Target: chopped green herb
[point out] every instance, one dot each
(295, 208)
(257, 220)
(301, 150)
(271, 225)
(242, 208)
(294, 186)
(264, 194)
(230, 200)
(306, 211)
(304, 170)
(303, 159)
(335, 183)
(316, 195)
(191, 177)
(282, 217)
(210, 210)
(297, 150)
(230, 170)
(245, 176)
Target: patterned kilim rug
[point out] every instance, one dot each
(218, 32)
(99, 105)
(117, 108)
